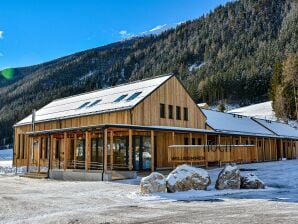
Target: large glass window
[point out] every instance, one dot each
(120, 155)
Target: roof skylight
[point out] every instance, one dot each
(120, 98)
(95, 103)
(83, 105)
(133, 96)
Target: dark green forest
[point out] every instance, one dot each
(231, 52)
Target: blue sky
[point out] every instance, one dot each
(35, 31)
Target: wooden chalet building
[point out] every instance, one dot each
(145, 125)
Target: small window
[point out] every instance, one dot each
(186, 141)
(178, 113)
(94, 103)
(199, 141)
(237, 142)
(171, 112)
(193, 141)
(246, 142)
(83, 105)
(120, 98)
(162, 111)
(252, 142)
(133, 96)
(260, 143)
(185, 110)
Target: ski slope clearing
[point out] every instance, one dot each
(48, 201)
(259, 110)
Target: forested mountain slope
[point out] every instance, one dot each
(227, 54)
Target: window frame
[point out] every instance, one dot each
(162, 110)
(185, 113)
(170, 111)
(178, 113)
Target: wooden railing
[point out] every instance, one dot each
(203, 154)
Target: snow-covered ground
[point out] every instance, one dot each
(25, 200)
(6, 158)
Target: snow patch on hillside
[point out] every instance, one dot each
(259, 110)
(159, 29)
(196, 66)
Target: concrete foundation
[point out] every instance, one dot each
(78, 175)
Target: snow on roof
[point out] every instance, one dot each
(115, 98)
(279, 128)
(227, 122)
(260, 110)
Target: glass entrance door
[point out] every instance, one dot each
(142, 153)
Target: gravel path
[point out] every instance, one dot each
(25, 200)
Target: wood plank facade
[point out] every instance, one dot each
(145, 137)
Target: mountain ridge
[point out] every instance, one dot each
(237, 44)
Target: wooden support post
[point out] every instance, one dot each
(111, 149)
(87, 151)
(173, 138)
(28, 152)
(281, 149)
(275, 147)
(105, 150)
(218, 152)
(263, 149)
(292, 149)
(38, 153)
(257, 151)
(206, 152)
(43, 154)
(130, 166)
(51, 156)
(190, 138)
(270, 149)
(65, 151)
(54, 145)
(152, 151)
(74, 150)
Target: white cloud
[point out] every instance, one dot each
(1, 54)
(1, 34)
(125, 34)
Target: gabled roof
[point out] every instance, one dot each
(233, 123)
(99, 101)
(278, 128)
